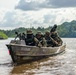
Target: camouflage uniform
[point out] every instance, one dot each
(48, 39)
(55, 37)
(41, 40)
(30, 38)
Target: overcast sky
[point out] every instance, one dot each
(35, 13)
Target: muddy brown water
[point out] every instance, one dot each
(62, 64)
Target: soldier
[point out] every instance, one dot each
(57, 40)
(30, 38)
(53, 28)
(41, 40)
(50, 41)
(48, 38)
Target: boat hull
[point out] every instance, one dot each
(21, 53)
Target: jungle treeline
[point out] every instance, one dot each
(66, 29)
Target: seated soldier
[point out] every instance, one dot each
(30, 38)
(48, 39)
(57, 40)
(41, 40)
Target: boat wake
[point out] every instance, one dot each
(7, 64)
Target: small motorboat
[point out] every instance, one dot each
(19, 51)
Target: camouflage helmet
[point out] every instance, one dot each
(39, 33)
(47, 32)
(29, 32)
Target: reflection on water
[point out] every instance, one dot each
(63, 64)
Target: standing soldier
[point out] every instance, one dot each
(57, 40)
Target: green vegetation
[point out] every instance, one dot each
(67, 29)
(3, 36)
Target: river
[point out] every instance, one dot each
(62, 64)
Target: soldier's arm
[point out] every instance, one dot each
(53, 40)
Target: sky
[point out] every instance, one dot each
(35, 13)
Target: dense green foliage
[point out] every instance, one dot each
(3, 36)
(67, 29)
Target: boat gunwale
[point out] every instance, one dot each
(21, 45)
(33, 46)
